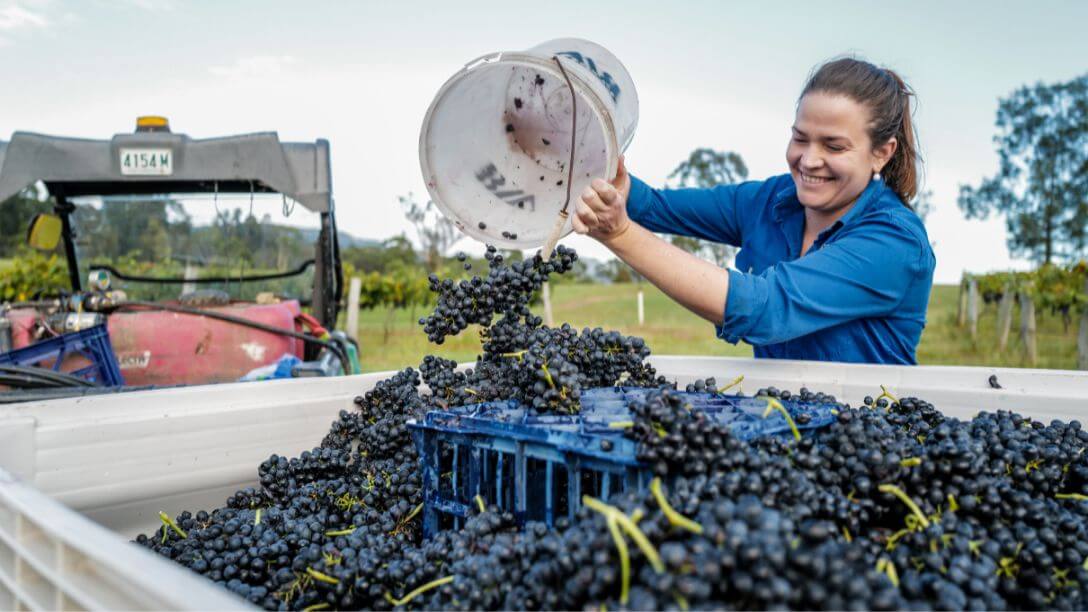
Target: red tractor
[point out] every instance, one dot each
(191, 290)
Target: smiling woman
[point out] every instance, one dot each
(834, 264)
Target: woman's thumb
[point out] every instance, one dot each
(621, 175)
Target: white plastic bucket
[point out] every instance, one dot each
(495, 147)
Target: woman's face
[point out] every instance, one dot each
(830, 155)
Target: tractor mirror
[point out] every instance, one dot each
(43, 233)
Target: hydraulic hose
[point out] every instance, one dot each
(332, 346)
(22, 381)
(46, 376)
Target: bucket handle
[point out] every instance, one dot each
(483, 59)
(561, 220)
(553, 236)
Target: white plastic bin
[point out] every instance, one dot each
(120, 459)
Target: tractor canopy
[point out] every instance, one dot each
(162, 162)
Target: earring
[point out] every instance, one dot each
(876, 175)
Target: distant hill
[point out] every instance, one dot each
(346, 239)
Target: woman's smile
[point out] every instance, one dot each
(811, 179)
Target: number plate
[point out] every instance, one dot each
(147, 162)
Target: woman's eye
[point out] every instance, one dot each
(799, 140)
(835, 148)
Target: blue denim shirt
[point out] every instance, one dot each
(859, 294)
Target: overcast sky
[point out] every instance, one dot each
(709, 74)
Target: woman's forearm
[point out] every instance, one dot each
(696, 284)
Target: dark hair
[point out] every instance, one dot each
(888, 100)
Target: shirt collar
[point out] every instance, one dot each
(786, 204)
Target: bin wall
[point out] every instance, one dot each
(955, 390)
(121, 458)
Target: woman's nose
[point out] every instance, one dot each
(810, 161)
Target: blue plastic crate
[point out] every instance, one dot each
(92, 343)
(539, 466)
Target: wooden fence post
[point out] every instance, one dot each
(1004, 317)
(353, 307)
(190, 274)
(546, 295)
(1082, 336)
(641, 308)
(1027, 328)
(961, 313)
(972, 306)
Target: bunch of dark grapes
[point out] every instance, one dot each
(892, 506)
(506, 289)
(543, 367)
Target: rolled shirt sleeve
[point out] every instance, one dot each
(717, 214)
(865, 273)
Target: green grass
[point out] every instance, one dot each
(671, 330)
(944, 343)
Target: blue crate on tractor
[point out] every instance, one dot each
(540, 466)
(92, 343)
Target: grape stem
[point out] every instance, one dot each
(736, 381)
(625, 557)
(169, 522)
(630, 527)
(884, 393)
(896, 491)
(675, 518)
(403, 523)
(952, 505)
(548, 376)
(886, 565)
(418, 591)
(316, 575)
(774, 404)
(892, 539)
(1076, 496)
(1009, 567)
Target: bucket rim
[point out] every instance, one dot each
(504, 59)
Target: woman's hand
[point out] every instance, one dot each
(601, 212)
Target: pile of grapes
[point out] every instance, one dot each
(893, 506)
